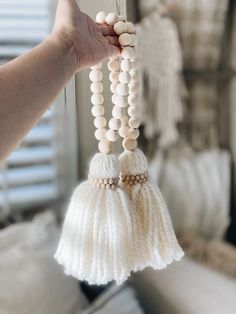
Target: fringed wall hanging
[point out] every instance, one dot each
(117, 221)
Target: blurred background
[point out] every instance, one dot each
(187, 56)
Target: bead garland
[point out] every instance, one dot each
(124, 88)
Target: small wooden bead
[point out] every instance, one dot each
(113, 87)
(123, 131)
(134, 65)
(133, 134)
(120, 27)
(133, 100)
(124, 120)
(97, 99)
(121, 101)
(100, 122)
(112, 135)
(111, 18)
(126, 39)
(105, 146)
(130, 27)
(134, 75)
(122, 89)
(100, 134)
(96, 87)
(129, 144)
(128, 53)
(134, 123)
(126, 65)
(95, 75)
(114, 124)
(114, 77)
(118, 112)
(114, 65)
(96, 66)
(134, 88)
(98, 111)
(124, 77)
(101, 17)
(133, 111)
(113, 98)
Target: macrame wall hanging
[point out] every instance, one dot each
(117, 221)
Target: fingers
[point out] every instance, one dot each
(113, 51)
(113, 40)
(106, 30)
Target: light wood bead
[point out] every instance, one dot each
(114, 124)
(114, 77)
(113, 87)
(105, 146)
(133, 111)
(129, 144)
(133, 88)
(118, 112)
(134, 75)
(97, 99)
(133, 134)
(100, 134)
(101, 17)
(120, 27)
(96, 66)
(100, 122)
(112, 136)
(96, 87)
(134, 65)
(124, 130)
(113, 98)
(111, 18)
(124, 120)
(122, 89)
(134, 123)
(126, 39)
(128, 53)
(95, 75)
(113, 65)
(130, 27)
(133, 100)
(121, 101)
(126, 65)
(124, 77)
(98, 111)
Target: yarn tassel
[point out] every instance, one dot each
(96, 241)
(154, 237)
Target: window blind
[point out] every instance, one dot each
(30, 176)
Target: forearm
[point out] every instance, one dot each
(34, 79)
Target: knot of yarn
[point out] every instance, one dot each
(134, 179)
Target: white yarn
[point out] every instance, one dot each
(155, 243)
(97, 239)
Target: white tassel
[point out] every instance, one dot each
(154, 237)
(96, 242)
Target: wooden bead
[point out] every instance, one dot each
(124, 77)
(97, 99)
(113, 98)
(96, 87)
(105, 146)
(113, 65)
(133, 100)
(95, 75)
(129, 144)
(118, 112)
(128, 53)
(133, 134)
(96, 66)
(114, 124)
(130, 27)
(121, 101)
(134, 65)
(126, 39)
(100, 134)
(134, 75)
(111, 18)
(114, 77)
(101, 17)
(133, 111)
(124, 120)
(134, 88)
(126, 65)
(113, 87)
(123, 131)
(112, 136)
(100, 122)
(122, 89)
(134, 123)
(98, 111)
(120, 27)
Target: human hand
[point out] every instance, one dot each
(89, 42)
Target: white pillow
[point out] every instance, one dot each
(31, 280)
